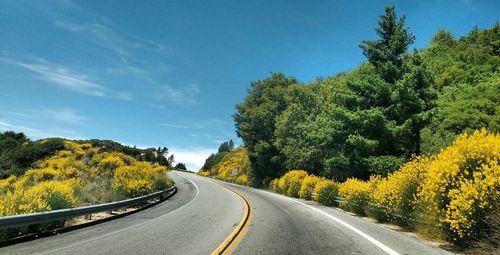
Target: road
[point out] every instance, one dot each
(204, 212)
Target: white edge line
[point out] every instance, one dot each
(125, 229)
(347, 225)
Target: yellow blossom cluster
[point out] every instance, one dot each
(355, 194)
(308, 187)
(234, 167)
(462, 183)
(394, 196)
(140, 179)
(326, 191)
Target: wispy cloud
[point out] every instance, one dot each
(66, 78)
(67, 115)
(173, 125)
(183, 95)
(104, 36)
(37, 133)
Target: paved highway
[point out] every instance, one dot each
(203, 213)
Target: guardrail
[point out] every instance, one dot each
(43, 217)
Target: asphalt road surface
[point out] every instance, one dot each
(204, 213)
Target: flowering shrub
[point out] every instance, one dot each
(462, 184)
(5, 184)
(326, 191)
(140, 179)
(236, 159)
(307, 187)
(295, 182)
(44, 196)
(356, 195)
(456, 190)
(395, 196)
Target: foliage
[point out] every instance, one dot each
(326, 191)
(140, 178)
(386, 53)
(255, 123)
(395, 196)
(461, 184)
(226, 146)
(215, 158)
(43, 196)
(17, 152)
(235, 160)
(181, 166)
(295, 182)
(76, 175)
(356, 194)
(308, 186)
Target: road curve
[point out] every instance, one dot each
(194, 221)
(203, 214)
(283, 225)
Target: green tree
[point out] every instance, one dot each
(180, 166)
(255, 123)
(386, 54)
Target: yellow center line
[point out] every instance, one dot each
(232, 241)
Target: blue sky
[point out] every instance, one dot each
(168, 73)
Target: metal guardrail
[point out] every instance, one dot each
(48, 216)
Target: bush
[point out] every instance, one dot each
(395, 196)
(307, 187)
(295, 183)
(44, 196)
(141, 178)
(462, 185)
(325, 192)
(356, 195)
(295, 176)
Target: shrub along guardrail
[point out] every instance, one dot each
(373, 206)
(50, 216)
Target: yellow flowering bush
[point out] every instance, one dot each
(307, 187)
(394, 197)
(44, 196)
(356, 195)
(6, 184)
(242, 180)
(140, 179)
(462, 184)
(295, 182)
(236, 159)
(326, 191)
(289, 183)
(204, 173)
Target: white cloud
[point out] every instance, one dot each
(36, 133)
(104, 36)
(194, 159)
(182, 95)
(68, 79)
(173, 125)
(67, 115)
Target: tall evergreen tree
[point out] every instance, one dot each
(386, 53)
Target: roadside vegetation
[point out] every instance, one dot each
(451, 195)
(229, 164)
(58, 174)
(408, 137)
(78, 175)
